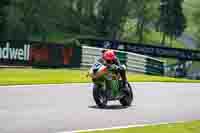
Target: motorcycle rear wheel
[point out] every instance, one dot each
(128, 98)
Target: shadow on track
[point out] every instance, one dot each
(110, 107)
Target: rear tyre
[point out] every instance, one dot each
(128, 98)
(99, 96)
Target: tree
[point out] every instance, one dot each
(81, 18)
(39, 16)
(196, 21)
(71, 18)
(3, 4)
(172, 21)
(111, 17)
(101, 18)
(144, 13)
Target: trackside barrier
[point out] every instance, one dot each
(39, 54)
(134, 62)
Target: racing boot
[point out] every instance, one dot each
(124, 79)
(124, 85)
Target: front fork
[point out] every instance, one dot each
(114, 85)
(110, 87)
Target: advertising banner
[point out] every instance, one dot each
(39, 54)
(14, 53)
(155, 51)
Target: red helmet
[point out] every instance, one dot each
(109, 55)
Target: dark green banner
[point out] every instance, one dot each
(145, 49)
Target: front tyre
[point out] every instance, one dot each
(99, 96)
(128, 98)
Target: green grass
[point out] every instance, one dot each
(41, 76)
(57, 37)
(169, 61)
(195, 67)
(154, 38)
(189, 7)
(59, 76)
(189, 127)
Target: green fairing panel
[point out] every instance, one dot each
(114, 85)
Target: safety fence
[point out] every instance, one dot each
(40, 54)
(134, 62)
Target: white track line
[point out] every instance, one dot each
(61, 84)
(38, 85)
(119, 127)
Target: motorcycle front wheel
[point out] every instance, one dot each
(99, 96)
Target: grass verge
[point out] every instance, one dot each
(188, 127)
(59, 76)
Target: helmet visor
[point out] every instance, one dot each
(109, 61)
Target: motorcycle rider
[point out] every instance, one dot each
(110, 60)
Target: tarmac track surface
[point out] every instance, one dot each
(58, 108)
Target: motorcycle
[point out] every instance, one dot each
(107, 86)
